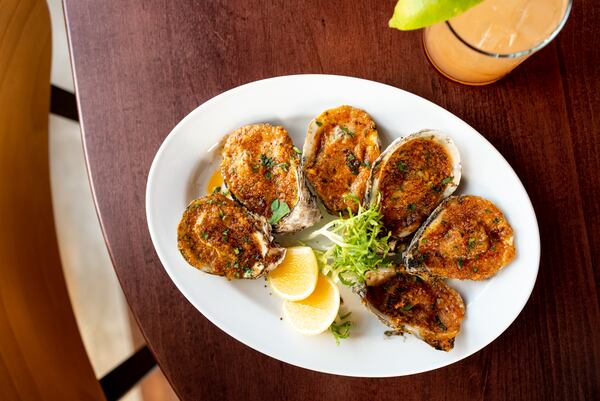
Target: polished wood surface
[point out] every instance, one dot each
(41, 353)
(141, 67)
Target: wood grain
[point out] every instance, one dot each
(41, 353)
(141, 68)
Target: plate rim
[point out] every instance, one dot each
(233, 332)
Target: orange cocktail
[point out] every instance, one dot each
(486, 42)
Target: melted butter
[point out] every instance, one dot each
(215, 180)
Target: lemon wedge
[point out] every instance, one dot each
(314, 314)
(296, 277)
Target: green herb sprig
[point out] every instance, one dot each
(280, 209)
(341, 330)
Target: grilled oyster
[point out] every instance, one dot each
(218, 236)
(263, 172)
(466, 237)
(341, 146)
(420, 305)
(411, 177)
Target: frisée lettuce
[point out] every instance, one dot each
(359, 244)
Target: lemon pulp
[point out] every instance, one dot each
(296, 277)
(314, 314)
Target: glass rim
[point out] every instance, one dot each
(520, 53)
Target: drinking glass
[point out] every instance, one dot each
(486, 42)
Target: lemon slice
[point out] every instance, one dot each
(415, 14)
(314, 314)
(296, 277)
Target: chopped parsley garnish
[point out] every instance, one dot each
(236, 251)
(222, 214)
(341, 330)
(268, 175)
(496, 220)
(280, 209)
(366, 164)
(475, 270)
(216, 190)
(298, 151)
(319, 123)
(225, 234)
(471, 243)
(255, 168)
(284, 166)
(402, 166)
(412, 207)
(353, 163)
(440, 323)
(438, 187)
(349, 196)
(447, 180)
(204, 235)
(266, 161)
(460, 263)
(408, 307)
(347, 131)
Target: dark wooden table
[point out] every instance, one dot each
(141, 67)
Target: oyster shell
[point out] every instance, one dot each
(466, 237)
(416, 304)
(263, 171)
(411, 177)
(218, 236)
(340, 148)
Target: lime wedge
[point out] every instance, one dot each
(415, 14)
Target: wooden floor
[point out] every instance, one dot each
(109, 334)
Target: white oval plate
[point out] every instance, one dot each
(245, 310)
